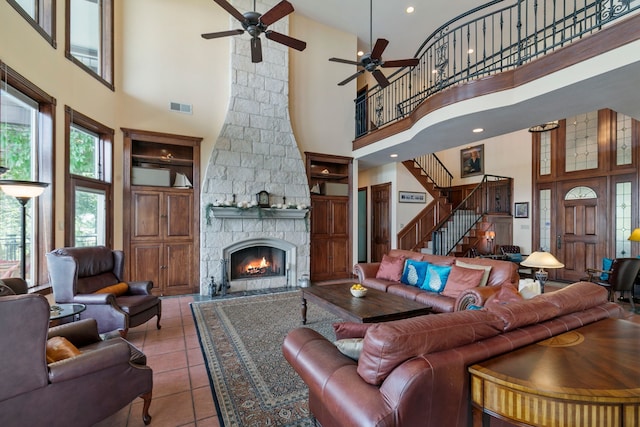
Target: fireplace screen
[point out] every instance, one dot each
(257, 262)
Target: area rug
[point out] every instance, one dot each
(241, 340)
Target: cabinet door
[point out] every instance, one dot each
(146, 214)
(320, 266)
(178, 268)
(146, 263)
(179, 215)
(339, 219)
(320, 214)
(340, 265)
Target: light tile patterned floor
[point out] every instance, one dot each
(181, 392)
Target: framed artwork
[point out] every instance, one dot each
(521, 210)
(412, 197)
(472, 161)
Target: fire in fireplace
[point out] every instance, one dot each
(257, 262)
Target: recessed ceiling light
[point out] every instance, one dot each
(410, 9)
(478, 130)
(470, 51)
(434, 71)
(393, 155)
(360, 53)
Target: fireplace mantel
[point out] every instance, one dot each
(257, 213)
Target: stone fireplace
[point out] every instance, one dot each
(255, 151)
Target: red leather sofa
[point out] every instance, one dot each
(413, 372)
(501, 272)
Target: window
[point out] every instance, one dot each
(89, 37)
(26, 141)
(40, 14)
(88, 207)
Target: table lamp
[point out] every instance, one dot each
(541, 260)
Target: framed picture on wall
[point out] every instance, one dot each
(472, 161)
(521, 210)
(412, 197)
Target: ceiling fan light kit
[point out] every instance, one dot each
(256, 24)
(372, 60)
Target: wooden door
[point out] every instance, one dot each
(581, 229)
(380, 220)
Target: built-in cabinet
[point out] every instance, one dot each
(161, 208)
(330, 183)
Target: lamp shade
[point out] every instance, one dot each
(541, 260)
(23, 189)
(635, 235)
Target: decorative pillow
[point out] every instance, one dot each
(506, 295)
(118, 289)
(486, 268)
(514, 257)
(350, 329)
(606, 265)
(436, 277)
(390, 268)
(460, 279)
(60, 348)
(350, 347)
(414, 272)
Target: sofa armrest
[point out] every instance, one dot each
(475, 296)
(97, 299)
(140, 288)
(80, 333)
(89, 362)
(366, 270)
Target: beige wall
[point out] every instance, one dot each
(160, 57)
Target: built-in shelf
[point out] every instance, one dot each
(258, 213)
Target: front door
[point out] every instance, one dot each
(380, 220)
(581, 229)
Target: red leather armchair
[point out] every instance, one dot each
(78, 391)
(77, 273)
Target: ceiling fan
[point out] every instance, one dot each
(255, 24)
(372, 60)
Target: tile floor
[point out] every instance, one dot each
(181, 392)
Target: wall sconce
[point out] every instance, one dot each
(490, 236)
(23, 191)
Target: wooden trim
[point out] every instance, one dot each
(610, 38)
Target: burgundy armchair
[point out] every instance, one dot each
(81, 390)
(81, 275)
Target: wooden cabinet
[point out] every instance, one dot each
(330, 183)
(162, 235)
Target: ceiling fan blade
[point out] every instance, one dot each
(232, 10)
(277, 12)
(380, 46)
(344, 61)
(348, 79)
(285, 40)
(400, 63)
(380, 78)
(256, 50)
(221, 34)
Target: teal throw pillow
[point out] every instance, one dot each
(606, 265)
(414, 272)
(436, 278)
(514, 257)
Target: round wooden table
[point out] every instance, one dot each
(586, 377)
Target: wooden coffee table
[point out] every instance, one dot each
(589, 376)
(376, 306)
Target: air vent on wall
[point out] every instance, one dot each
(181, 108)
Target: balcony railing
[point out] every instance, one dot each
(489, 39)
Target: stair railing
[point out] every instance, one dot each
(434, 170)
(486, 40)
(491, 195)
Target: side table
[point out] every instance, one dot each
(587, 377)
(61, 311)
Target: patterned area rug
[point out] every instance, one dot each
(241, 339)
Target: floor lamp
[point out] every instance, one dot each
(23, 191)
(541, 260)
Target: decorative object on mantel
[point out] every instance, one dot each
(263, 199)
(545, 127)
(253, 211)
